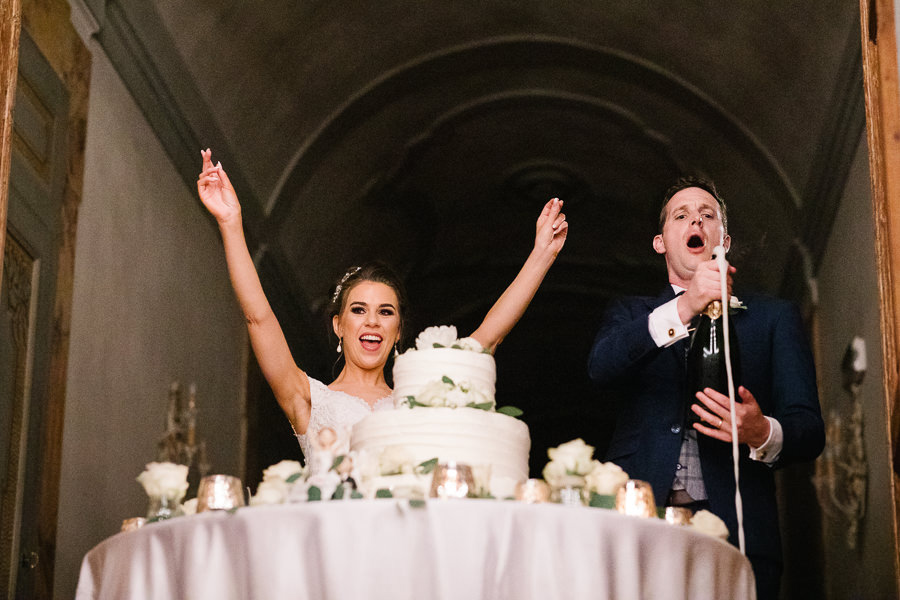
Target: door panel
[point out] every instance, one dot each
(27, 292)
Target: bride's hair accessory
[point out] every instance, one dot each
(350, 272)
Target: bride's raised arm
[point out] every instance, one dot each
(288, 382)
(552, 228)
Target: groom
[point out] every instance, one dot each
(641, 350)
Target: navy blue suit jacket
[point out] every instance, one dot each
(776, 366)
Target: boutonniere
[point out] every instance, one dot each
(735, 305)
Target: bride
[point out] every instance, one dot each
(368, 308)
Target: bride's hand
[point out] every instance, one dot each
(552, 228)
(216, 191)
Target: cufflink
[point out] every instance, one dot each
(761, 455)
(671, 332)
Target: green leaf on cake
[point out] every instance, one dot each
(415, 503)
(293, 478)
(314, 494)
(384, 493)
(436, 345)
(510, 411)
(482, 406)
(447, 380)
(411, 400)
(355, 495)
(337, 462)
(338, 493)
(428, 466)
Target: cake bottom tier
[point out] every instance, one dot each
(467, 435)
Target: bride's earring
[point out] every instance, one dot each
(339, 345)
(396, 353)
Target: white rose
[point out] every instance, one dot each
(326, 482)
(366, 465)
(708, 523)
(272, 491)
(164, 479)
(575, 455)
(434, 393)
(443, 335)
(470, 343)
(395, 459)
(605, 478)
(282, 470)
(457, 396)
(733, 302)
(477, 396)
(190, 507)
(554, 473)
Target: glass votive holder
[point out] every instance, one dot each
(481, 475)
(219, 492)
(452, 480)
(678, 515)
(635, 498)
(133, 523)
(533, 491)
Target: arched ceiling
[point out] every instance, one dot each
(430, 134)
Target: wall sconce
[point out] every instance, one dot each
(842, 472)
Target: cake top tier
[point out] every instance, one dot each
(445, 371)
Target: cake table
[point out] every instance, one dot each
(446, 549)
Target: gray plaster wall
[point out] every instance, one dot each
(152, 304)
(849, 306)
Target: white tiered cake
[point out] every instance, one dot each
(435, 390)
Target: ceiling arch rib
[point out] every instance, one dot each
(525, 54)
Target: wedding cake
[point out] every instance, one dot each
(445, 410)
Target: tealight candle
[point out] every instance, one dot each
(533, 491)
(219, 492)
(635, 498)
(452, 480)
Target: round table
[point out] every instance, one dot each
(388, 548)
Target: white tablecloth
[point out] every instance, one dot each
(386, 549)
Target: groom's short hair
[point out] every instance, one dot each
(690, 181)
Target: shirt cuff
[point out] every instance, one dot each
(665, 325)
(771, 448)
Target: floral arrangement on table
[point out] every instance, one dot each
(166, 484)
(707, 522)
(446, 392)
(572, 465)
(572, 468)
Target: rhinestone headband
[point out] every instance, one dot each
(337, 291)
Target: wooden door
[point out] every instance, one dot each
(27, 291)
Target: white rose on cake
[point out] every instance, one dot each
(395, 460)
(441, 336)
(445, 392)
(470, 344)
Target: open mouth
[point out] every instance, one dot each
(695, 241)
(370, 341)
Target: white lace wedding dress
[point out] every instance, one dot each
(338, 410)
